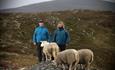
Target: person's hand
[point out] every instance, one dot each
(34, 43)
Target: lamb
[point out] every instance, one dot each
(85, 58)
(49, 49)
(69, 57)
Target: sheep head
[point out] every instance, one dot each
(44, 43)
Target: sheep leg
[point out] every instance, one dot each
(43, 57)
(54, 55)
(87, 66)
(46, 56)
(70, 67)
(63, 66)
(81, 66)
(49, 56)
(75, 66)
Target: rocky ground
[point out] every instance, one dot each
(46, 66)
(49, 66)
(88, 29)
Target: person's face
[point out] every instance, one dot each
(41, 24)
(60, 26)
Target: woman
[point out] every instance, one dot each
(61, 36)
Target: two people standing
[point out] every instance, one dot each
(60, 36)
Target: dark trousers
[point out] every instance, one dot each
(62, 47)
(40, 52)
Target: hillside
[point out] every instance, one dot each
(57, 5)
(88, 29)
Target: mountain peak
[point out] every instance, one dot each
(58, 5)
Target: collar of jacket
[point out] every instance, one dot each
(60, 29)
(41, 26)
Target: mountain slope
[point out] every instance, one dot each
(57, 5)
(87, 29)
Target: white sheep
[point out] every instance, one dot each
(85, 58)
(68, 57)
(49, 49)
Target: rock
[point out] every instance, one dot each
(46, 66)
(49, 66)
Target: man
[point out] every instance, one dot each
(61, 36)
(40, 34)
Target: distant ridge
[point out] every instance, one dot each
(58, 5)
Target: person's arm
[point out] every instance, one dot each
(48, 36)
(54, 36)
(67, 37)
(34, 37)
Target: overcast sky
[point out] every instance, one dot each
(5, 4)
